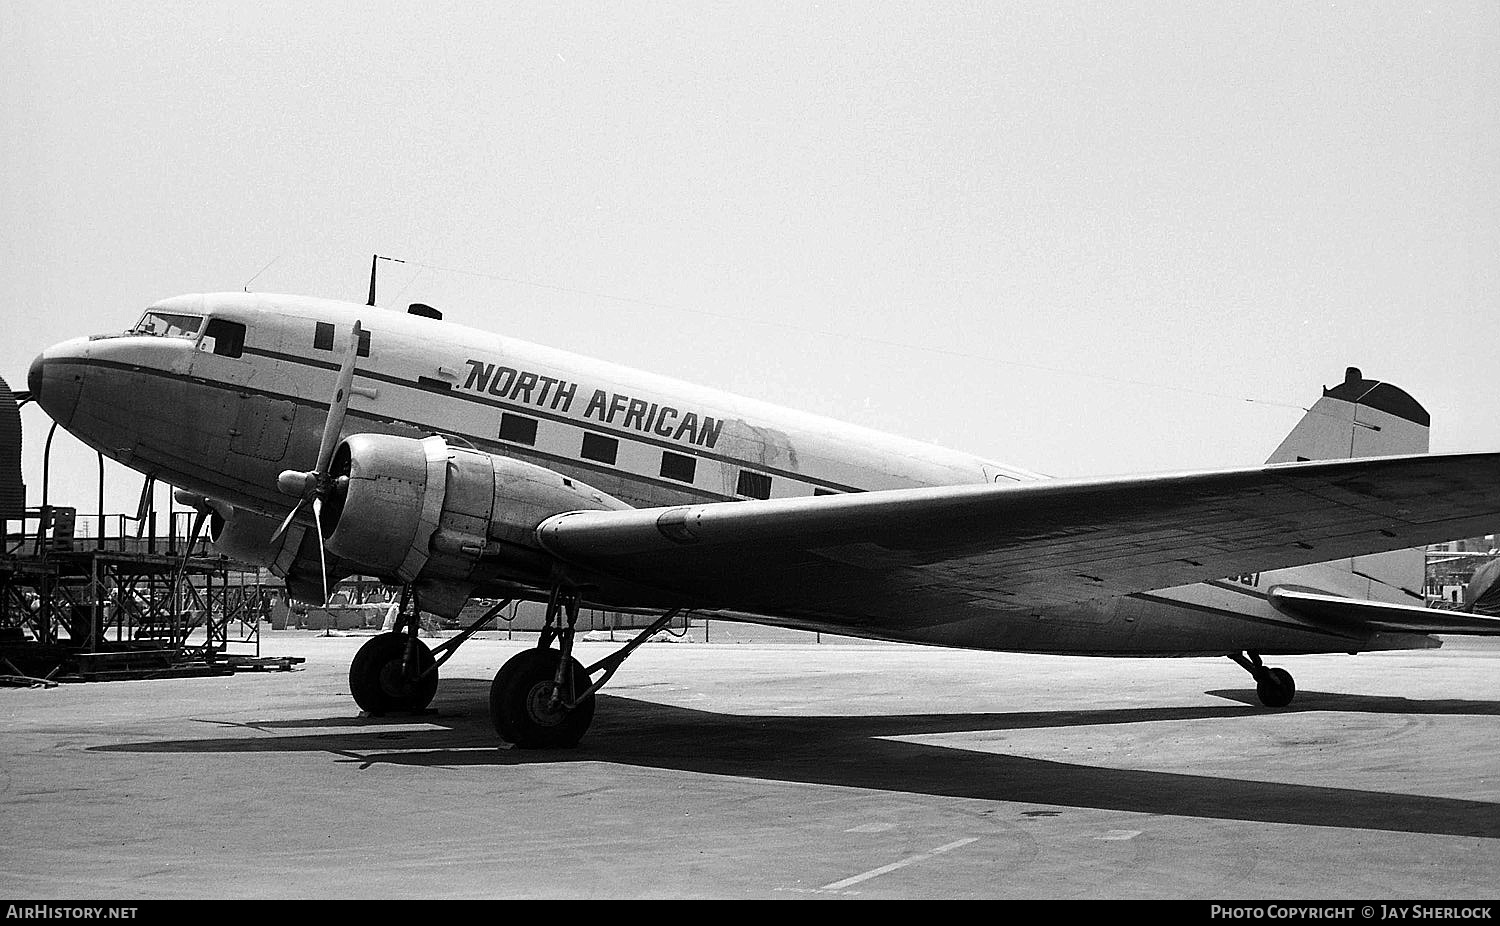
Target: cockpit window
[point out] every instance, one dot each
(223, 337)
(168, 324)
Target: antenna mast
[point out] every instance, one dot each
(375, 259)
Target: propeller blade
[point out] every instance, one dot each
(317, 507)
(339, 406)
(288, 522)
(198, 520)
(312, 486)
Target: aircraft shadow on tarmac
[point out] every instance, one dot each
(854, 752)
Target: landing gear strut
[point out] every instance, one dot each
(396, 672)
(531, 709)
(1274, 687)
(541, 698)
(544, 698)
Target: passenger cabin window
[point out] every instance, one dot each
(676, 466)
(224, 337)
(323, 339)
(599, 448)
(168, 325)
(754, 485)
(518, 429)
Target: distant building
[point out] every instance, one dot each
(1451, 566)
(1483, 544)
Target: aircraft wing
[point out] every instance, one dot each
(1011, 546)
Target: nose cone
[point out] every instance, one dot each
(55, 379)
(34, 379)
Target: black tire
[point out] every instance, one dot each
(376, 681)
(519, 697)
(1275, 688)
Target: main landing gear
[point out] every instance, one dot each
(541, 698)
(544, 698)
(1274, 687)
(395, 672)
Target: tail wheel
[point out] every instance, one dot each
(380, 685)
(522, 704)
(1275, 688)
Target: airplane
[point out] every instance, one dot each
(326, 439)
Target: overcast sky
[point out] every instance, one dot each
(1081, 238)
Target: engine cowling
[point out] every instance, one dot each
(243, 536)
(444, 518)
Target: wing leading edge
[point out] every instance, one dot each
(938, 554)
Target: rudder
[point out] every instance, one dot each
(1357, 418)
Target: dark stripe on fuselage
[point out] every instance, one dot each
(535, 412)
(490, 445)
(486, 443)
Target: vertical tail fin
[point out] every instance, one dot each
(1366, 418)
(1357, 418)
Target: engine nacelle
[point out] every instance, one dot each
(251, 538)
(444, 518)
(241, 535)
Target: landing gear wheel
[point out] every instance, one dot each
(521, 702)
(377, 682)
(1275, 688)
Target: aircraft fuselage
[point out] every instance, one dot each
(239, 392)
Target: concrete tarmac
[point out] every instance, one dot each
(765, 764)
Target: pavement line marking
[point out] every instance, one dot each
(885, 869)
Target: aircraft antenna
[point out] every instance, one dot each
(375, 260)
(273, 260)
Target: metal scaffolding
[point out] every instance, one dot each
(124, 607)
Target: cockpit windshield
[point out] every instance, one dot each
(162, 324)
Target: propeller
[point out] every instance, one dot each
(314, 486)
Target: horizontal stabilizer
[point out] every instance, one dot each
(1351, 613)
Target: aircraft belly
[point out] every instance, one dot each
(1189, 621)
(1192, 620)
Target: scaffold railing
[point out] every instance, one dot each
(131, 590)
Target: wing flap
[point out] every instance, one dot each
(1348, 613)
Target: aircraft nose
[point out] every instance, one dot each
(34, 379)
(55, 383)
